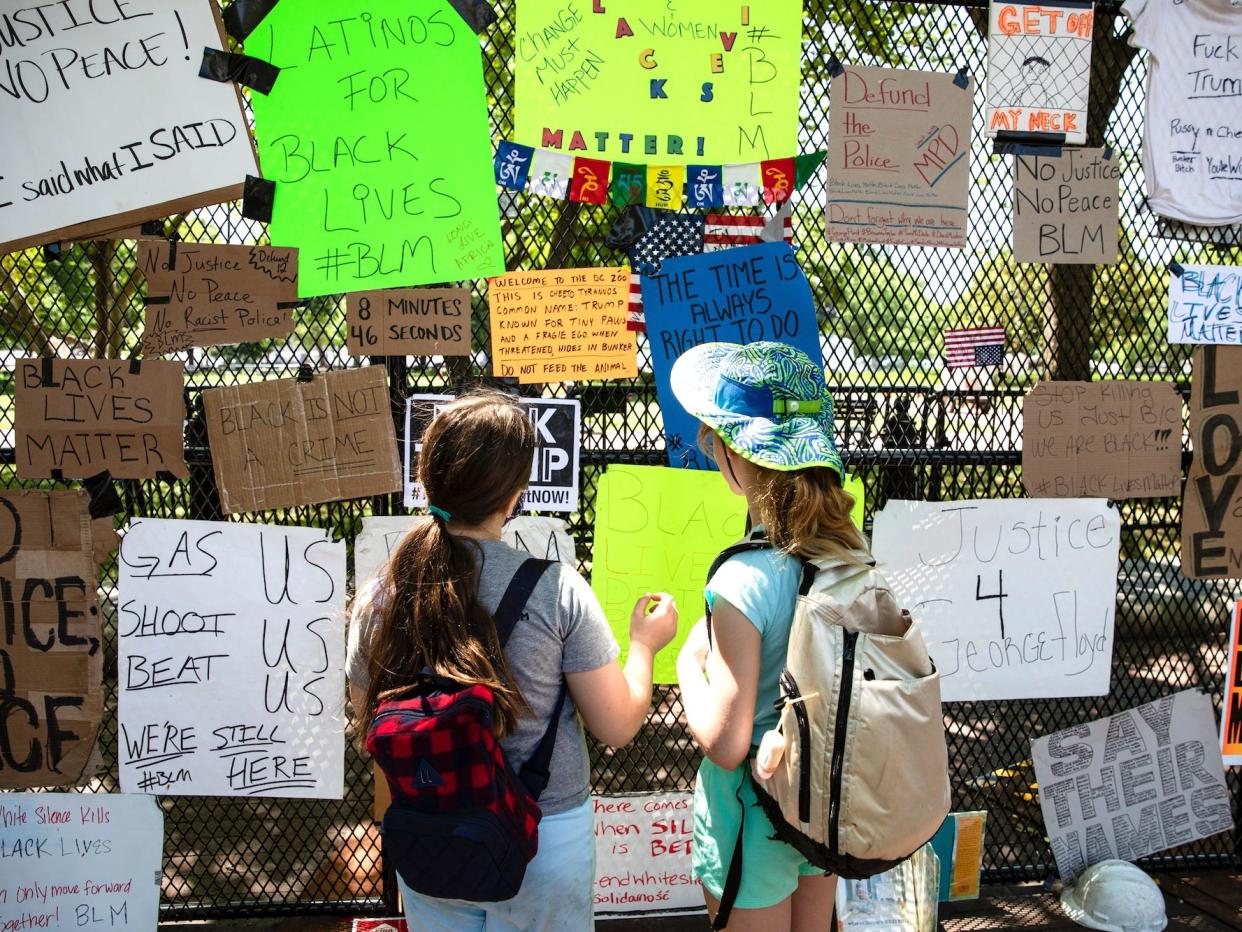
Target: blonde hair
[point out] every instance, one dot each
(806, 512)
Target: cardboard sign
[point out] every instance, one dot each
(1205, 304)
(409, 322)
(545, 538)
(106, 121)
(1113, 439)
(658, 530)
(51, 649)
(554, 471)
(642, 81)
(642, 854)
(738, 295)
(898, 157)
(370, 201)
(231, 660)
(1231, 704)
(1065, 207)
(1130, 785)
(1039, 70)
(281, 443)
(85, 416)
(958, 845)
(1212, 506)
(1016, 597)
(562, 325)
(74, 861)
(215, 295)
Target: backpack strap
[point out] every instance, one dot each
(733, 876)
(535, 772)
(755, 540)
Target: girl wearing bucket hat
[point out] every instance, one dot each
(766, 418)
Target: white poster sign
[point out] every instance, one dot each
(642, 854)
(1138, 782)
(80, 861)
(1039, 70)
(1016, 597)
(1205, 304)
(558, 440)
(104, 113)
(545, 538)
(231, 660)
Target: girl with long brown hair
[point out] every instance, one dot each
(430, 610)
(766, 419)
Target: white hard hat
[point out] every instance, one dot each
(1115, 896)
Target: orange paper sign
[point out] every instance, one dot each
(562, 325)
(1231, 708)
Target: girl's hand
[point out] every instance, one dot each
(694, 651)
(653, 622)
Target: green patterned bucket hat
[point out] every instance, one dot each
(767, 401)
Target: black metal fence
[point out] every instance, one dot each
(910, 428)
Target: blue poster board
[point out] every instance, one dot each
(740, 295)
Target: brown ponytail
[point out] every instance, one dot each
(477, 454)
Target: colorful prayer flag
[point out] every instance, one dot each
(512, 163)
(590, 181)
(665, 186)
(741, 185)
(704, 186)
(629, 184)
(550, 173)
(778, 179)
(974, 346)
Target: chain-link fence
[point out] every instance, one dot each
(909, 427)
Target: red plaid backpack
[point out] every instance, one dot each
(463, 824)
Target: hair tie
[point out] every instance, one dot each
(439, 513)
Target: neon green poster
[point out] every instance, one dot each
(657, 530)
(376, 136)
(660, 81)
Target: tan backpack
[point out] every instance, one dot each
(864, 780)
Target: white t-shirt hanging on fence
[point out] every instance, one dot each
(1192, 138)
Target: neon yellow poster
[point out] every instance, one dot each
(657, 530)
(665, 81)
(376, 136)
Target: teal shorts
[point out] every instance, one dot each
(770, 868)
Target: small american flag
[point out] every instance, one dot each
(975, 346)
(636, 320)
(722, 231)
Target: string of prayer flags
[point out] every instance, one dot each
(564, 176)
(974, 346)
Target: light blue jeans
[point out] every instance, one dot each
(557, 893)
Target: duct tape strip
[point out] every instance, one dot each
(105, 502)
(1176, 269)
(228, 67)
(1108, 150)
(242, 16)
(305, 373)
(285, 305)
(478, 14)
(1045, 144)
(257, 198)
(153, 228)
(135, 366)
(156, 299)
(834, 66)
(962, 78)
(53, 252)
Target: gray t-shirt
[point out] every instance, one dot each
(563, 630)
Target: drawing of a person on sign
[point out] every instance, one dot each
(1027, 88)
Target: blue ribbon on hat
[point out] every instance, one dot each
(755, 401)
